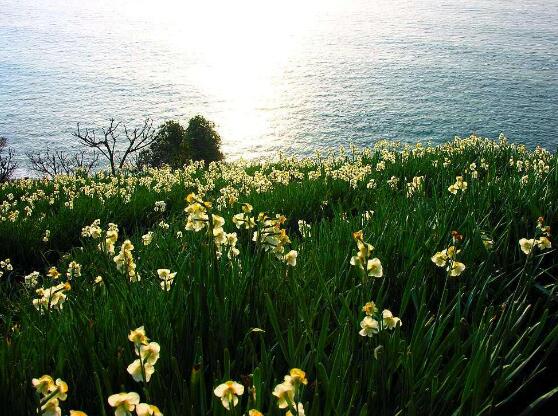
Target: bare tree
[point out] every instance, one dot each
(114, 146)
(60, 162)
(7, 162)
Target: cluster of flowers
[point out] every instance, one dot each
(415, 186)
(541, 239)
(148, 352)
(50, 393)
(198, 219)
(373, 323)
(95, 232)
(52, 297)
(362, 260)
(141, 370)
(459, 185)
(448, 256)
(234, 180)
(125, 261)
(5, 266)
(273, 238)
(160, 206)
(288, 394)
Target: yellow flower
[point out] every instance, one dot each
(543, 243)
(77, 413)
(374, 268)
(124, 403)
(144, 409)
(297, 377)
(290, 258)
(389, 320)
(456, 268)
(369, 327)
(150, 353)
(527, 245)
(167, 278)
(147, 238)
(369, 308)
(439, 259)
(74, 270)
(43, 384)
(53, 273)
(51, 408)
(299, 410)
(460, 183)
(285, 394)
(135, 371)
(62, 389)
(254, 412)
(228, 392)
(138, 337)
(246, 207)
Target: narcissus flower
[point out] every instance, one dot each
(43, 385)
(296, 377)
(138, 337)
(149, 353)
(374, 268)
(543, 243)
(167, 278)
(459, 184)
(527, 245)
(228, 392)
(53, 273)
(51, 298)
(369, 308)
(147, 238)
(290, 258)
(124, 403)
(136, 371)
(285, 394)
(51, 408)
(254, 412)
(74, 270)
(369, 326)
(144, 409)
(389, 321)
(77, 413)
(440, 258)
(456, 268)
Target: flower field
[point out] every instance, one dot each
(391, 280)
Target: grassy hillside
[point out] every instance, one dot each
(462, 275)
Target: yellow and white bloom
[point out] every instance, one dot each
(527, 245)
(389, 321)
(369, 326)
(124, 403)
(228, 392)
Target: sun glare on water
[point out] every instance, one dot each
(233, 53)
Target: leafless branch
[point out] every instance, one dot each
(60, 162)
(110, 144)
(7, 162)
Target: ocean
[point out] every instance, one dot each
(292, 75)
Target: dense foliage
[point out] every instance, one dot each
(453, 311)
(175, 145)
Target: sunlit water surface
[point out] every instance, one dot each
(289, 75)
